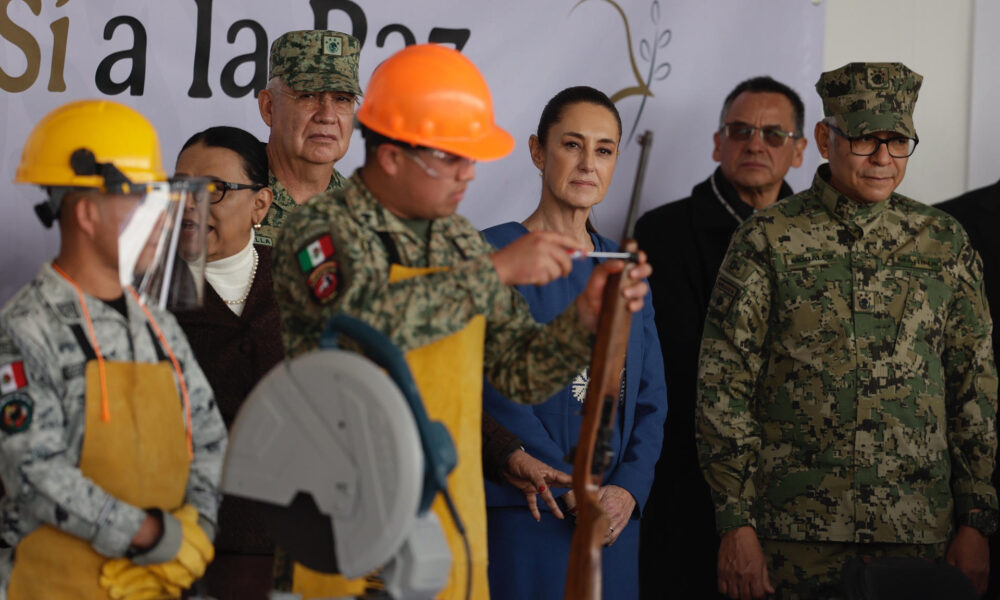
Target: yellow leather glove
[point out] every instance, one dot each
(195, 553)
(126, 581)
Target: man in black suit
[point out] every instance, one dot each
(979, 213)
(759, 139)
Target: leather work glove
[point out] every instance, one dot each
(125, 581)
(191, 560)
(164, 572)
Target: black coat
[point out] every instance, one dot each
(686, 242)
(979, 213)
(235, 352)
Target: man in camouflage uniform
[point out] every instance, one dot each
(847, 391)
(760, 137)
(66, 510)
(343, 252)
(309, 104)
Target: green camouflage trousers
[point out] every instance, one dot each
(812, 570)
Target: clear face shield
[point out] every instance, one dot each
(161, 244)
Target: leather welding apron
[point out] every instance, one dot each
(449, 375)
(139, 456)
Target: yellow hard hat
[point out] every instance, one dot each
(74, 145)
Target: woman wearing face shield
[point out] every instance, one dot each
(575, 151)
(236, 334)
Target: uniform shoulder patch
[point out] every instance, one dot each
(15, 412)
(723, 295)
(315, 260)
(322, 281)
(738, 267)
(12, 377)
(316, 252)
(726, 288)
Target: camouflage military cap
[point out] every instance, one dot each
(868, 97)
(316, 60)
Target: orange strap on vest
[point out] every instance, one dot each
(105, 411)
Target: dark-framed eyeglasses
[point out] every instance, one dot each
(218, 188)
(898, 146)
(774, 137)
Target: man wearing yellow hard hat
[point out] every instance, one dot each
(111, 444)
(390, 250)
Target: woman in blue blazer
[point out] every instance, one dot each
(575, 150)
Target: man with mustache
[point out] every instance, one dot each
(309, 105)
(847, 390)
(758, 140)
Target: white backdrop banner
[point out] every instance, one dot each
(984, 151)
(191, 64)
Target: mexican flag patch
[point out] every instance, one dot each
(12, 377)
(316, 253)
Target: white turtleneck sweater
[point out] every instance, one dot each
(230, 276)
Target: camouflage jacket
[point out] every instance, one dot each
(332, 257)
(847, 390)
(282, 206)
(39, 454)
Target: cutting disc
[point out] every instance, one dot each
(328, 447)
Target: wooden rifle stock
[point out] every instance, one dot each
(593, 451)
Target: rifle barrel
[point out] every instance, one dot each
(646, 141)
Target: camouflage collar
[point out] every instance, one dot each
(281, 196)
(843, 208)
(285, 201)
(367, 209)
(370, 211)
(63, 301)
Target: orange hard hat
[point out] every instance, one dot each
(432, 96)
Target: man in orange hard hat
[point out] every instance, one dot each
(390, 250)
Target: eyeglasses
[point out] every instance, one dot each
(343, 102)
(898, 146)
(218, 188)
(442, 164)
(772, 136)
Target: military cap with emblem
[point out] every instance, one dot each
(866, 97)
(316, 60)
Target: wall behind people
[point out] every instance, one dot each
(984, 118)
(189, 65)
(953, 46)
